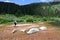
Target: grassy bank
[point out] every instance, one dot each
(9, 18)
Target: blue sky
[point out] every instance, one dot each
(24, 2)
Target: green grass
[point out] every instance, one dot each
(9, 18)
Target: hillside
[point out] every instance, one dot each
(30, 9)
(9, 8)
(31, 12)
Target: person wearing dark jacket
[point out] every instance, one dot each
(15, 23)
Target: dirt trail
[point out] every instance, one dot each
(50, 34)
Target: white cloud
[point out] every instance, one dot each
(23, 0)
(43, 0)
(7, 1)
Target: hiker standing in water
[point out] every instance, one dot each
(15, 23)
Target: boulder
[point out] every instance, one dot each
(33, 30)
(14, 30)
(43, 28)
(23, 30)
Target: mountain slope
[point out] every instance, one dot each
(42, 9)
(9, 7)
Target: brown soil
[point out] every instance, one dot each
(49, 34)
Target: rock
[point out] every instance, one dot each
(23, 30)
(13, 31)
(43, 28)
(33, 30)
